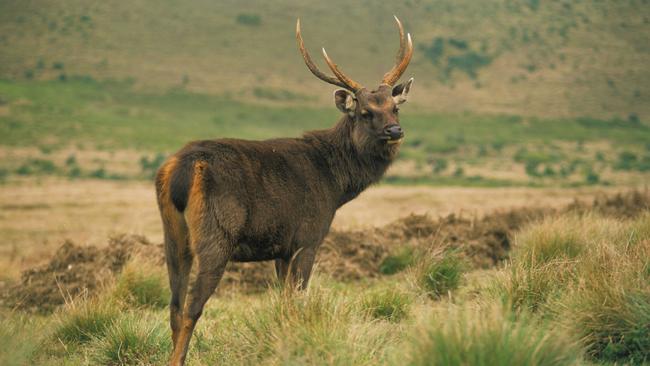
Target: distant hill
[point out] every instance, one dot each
(526, 57)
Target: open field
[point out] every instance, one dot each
(526, 286)
(513, 228)
(82, 128)
(37, 216)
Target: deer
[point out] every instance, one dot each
(274, 200)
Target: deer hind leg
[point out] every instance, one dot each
(212, 252)
(179, 264)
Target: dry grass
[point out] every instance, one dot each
(37, 215)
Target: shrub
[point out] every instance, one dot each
(149, 167)
(626, 161)
(397, 262)
(435, 51)
(252, 20)
(386, 304)
(492, 336)
(142, 285)
(132, 339)
(37, 166)
(438, 273)
(439, 165)
(79, 323)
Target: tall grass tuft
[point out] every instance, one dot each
(81, 321)
(21, 337)
(290, 328)
(142, 284)
(132, 339)
(438, 272)
(397, 262)
(491, 336)
(591, 274)
(387, 304)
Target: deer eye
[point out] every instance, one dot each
(366, 113)
(395, 109)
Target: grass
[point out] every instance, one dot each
(591, 274)
(387, 304)
(438, 273)
(492, 336)
(576, 290)
(142, 284)
(397, 262)
(132, 339)
(82, 321)
(91, 117)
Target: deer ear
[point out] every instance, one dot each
(401, 91)
(345, 101)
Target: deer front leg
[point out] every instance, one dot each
(300, 266)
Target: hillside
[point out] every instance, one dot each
(531, 58)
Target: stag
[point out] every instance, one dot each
(235, 200)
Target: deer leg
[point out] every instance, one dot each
(179, 264)
(211, 258)
(300, 267)
(282, 270)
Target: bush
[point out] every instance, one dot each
(492, 336)
(252, 20)
(626, 161)
(132, 339)
(142, 284)
(397, 262)
(439, 273)
(386, 304)
(79, 323)
(37, 166)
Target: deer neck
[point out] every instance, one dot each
(353, 169)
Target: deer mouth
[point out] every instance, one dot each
(395, 141)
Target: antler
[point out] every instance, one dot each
(342, 81)
(403, 57)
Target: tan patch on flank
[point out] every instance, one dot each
(172, 218)
(196, 204)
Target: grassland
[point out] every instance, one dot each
(522, 57)
(574, 292)
(85, 128)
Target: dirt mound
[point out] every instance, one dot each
(344, 255)
(627, 205)
(72, 271)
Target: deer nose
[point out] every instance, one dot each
(394, 132)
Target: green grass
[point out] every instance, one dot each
(591, 274)
(587, 303)
(491, 336)
(439, 273)
(132, 339)
(141, 284)
(113, 114)
(81, 321)
(387, 304)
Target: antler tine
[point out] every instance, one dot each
(404, 57)
(402, 41)
(350, 84)
(311, 65)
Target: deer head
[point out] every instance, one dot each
(374, 112)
